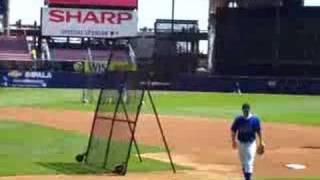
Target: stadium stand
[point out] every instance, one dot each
(83, 50)
(144, 46)
(14, 48)
(267, 42)
(80, 54)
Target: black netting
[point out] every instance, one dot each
(114, 122)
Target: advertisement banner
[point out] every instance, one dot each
(98, 23)
(25, 79)
(49, 79)
(113, 3)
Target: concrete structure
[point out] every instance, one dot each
(215, 4)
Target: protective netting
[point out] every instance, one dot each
(112, 132)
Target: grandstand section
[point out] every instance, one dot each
(71, 54)
(14, 48)
(176, 47)
(277, 38)
(215, 4)
(267, 41)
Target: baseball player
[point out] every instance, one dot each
(243, 132)
(237, 88)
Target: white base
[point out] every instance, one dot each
(296, 166)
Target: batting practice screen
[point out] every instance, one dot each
(115, 119)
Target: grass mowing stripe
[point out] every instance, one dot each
(28, 149)
(271, 108)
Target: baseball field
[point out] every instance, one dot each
(41, 130)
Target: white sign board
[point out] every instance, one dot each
(71, 22)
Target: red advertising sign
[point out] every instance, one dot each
(114, 3)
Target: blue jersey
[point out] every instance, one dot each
(246, 128)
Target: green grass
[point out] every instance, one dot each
(271, 108)
(43, 98)
(28, 149)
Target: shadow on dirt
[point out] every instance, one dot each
(311, 147)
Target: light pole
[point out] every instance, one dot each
(172, 15)
(6, 22)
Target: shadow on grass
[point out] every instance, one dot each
(72, 168)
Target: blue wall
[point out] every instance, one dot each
(291, 85)
(46, 79)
